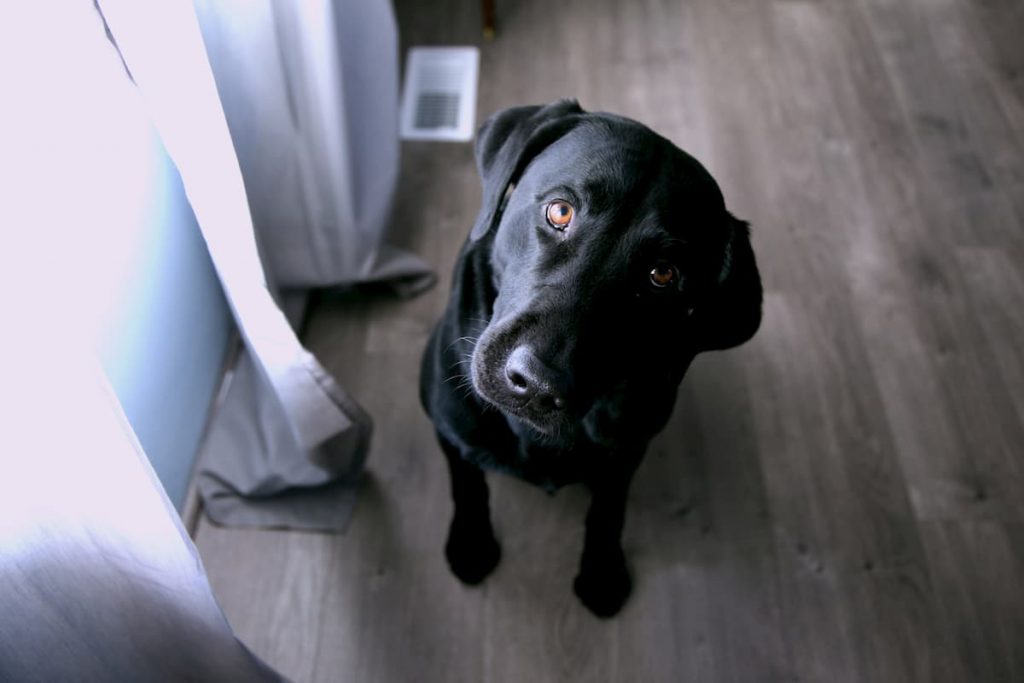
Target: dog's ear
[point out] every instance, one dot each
(507, 142)
(731, 313)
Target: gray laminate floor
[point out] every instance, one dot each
(842, 499)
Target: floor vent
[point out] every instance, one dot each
(439, 98)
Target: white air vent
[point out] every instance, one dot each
(439, 98)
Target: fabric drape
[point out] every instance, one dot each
(297, 167)
(98, 579)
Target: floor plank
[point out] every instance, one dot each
(978, 566)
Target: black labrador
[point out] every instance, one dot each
(602, 261)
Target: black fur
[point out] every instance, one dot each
(557, 358)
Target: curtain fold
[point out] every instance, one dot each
(287, 442)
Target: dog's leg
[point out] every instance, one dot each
(603, 583)
(472, 550)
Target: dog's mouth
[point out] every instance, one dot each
(546, 424)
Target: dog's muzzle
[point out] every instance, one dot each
(520, 383)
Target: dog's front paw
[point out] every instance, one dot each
(472, 551)
(603, 584)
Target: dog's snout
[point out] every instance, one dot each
(532, 380)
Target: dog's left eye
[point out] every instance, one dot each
(559, 214)
(663, 274)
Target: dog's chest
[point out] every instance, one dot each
(544, 465)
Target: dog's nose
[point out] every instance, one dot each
(529, 378)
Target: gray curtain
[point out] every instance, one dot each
(308, 92)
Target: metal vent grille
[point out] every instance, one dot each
(437, 110)
(439, 98)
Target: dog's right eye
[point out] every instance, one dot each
(559, 214)
(664, 274)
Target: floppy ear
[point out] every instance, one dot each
(507, 142)
(731, 313)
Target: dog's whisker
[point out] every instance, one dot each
(468, 360)
(471, 340)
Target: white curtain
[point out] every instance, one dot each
(99, 580)
(309, 94)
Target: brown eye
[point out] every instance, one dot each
(663, 274)
(559, 214)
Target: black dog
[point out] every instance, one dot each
(602, 261)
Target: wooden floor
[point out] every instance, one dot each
(859, 516)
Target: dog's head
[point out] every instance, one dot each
(615, 261)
